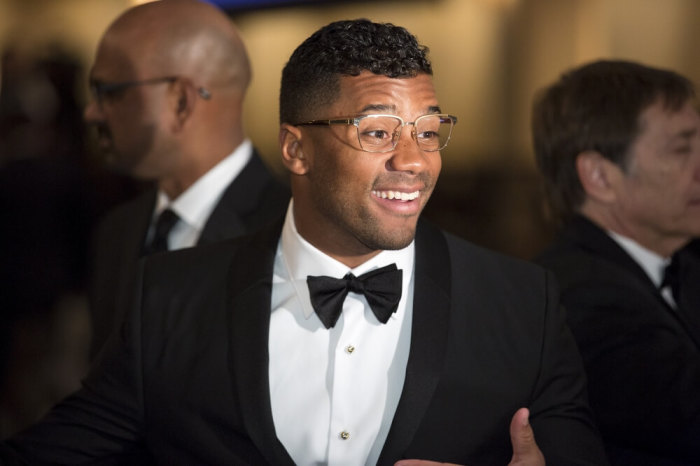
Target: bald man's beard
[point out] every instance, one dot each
(121, 157)
(105, 144)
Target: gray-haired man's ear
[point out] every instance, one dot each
(597, 175)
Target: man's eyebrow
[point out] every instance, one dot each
(392, 108)
(685, 134)
(95, 80)
(378, 108)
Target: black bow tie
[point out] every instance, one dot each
(381, 287)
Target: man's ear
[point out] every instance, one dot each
(183, 98)
(598, 175)
(290, 140)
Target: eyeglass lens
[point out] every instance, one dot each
(381, 133)
(104, 91)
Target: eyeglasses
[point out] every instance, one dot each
(381, 133)
(101, 90)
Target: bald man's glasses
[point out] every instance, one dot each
(381, 133)
(102, 91)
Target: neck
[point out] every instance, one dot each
(186, 176)
(194, 167)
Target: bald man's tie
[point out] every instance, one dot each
(166, 221)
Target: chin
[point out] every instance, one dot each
(391, 240)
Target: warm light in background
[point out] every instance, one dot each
(489, 56)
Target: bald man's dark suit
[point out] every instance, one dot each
(641, 355)
(254, 198)
(189, 373)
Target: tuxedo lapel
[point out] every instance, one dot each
(689, 305)
(133, 235)
(129, 248)
(250, 280)
(117, 247)
(591, 237)
(431, 314)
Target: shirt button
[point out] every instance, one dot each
(349, 349)
(345, 435)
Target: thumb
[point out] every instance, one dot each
(522, 437)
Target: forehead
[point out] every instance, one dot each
(117, 59)
(661, 122)
(372, 93)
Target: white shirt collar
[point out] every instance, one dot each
(198, 201)
(651, 263)
(301, 259)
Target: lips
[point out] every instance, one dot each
(104, 137)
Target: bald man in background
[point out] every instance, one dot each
(168, 85)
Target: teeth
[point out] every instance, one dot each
(398, 195)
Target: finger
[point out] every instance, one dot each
(522, 437)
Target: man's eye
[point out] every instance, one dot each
(376, 134)
(107, 91)
(428, 135)
(110, 92)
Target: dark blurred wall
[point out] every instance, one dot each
(51, 194)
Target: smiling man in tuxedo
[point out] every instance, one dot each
(351, 332)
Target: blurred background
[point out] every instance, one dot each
(489, 58)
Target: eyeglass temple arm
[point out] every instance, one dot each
(343, 121)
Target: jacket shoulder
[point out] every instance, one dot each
(495, 265)
(185, 266)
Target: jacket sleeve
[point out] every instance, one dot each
(643, 369)
(559, 411)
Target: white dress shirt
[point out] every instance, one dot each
(652, 263)
(334, 391)
(195, 205)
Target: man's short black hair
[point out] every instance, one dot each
(310, 78)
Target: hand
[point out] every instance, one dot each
(525, 449)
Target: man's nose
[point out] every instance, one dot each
(407, 155)
(92, 112)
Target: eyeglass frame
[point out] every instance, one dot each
(100, 89)
(355, 121)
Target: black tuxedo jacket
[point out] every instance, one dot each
(253, 199)
(188, 375)
(642, 357)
